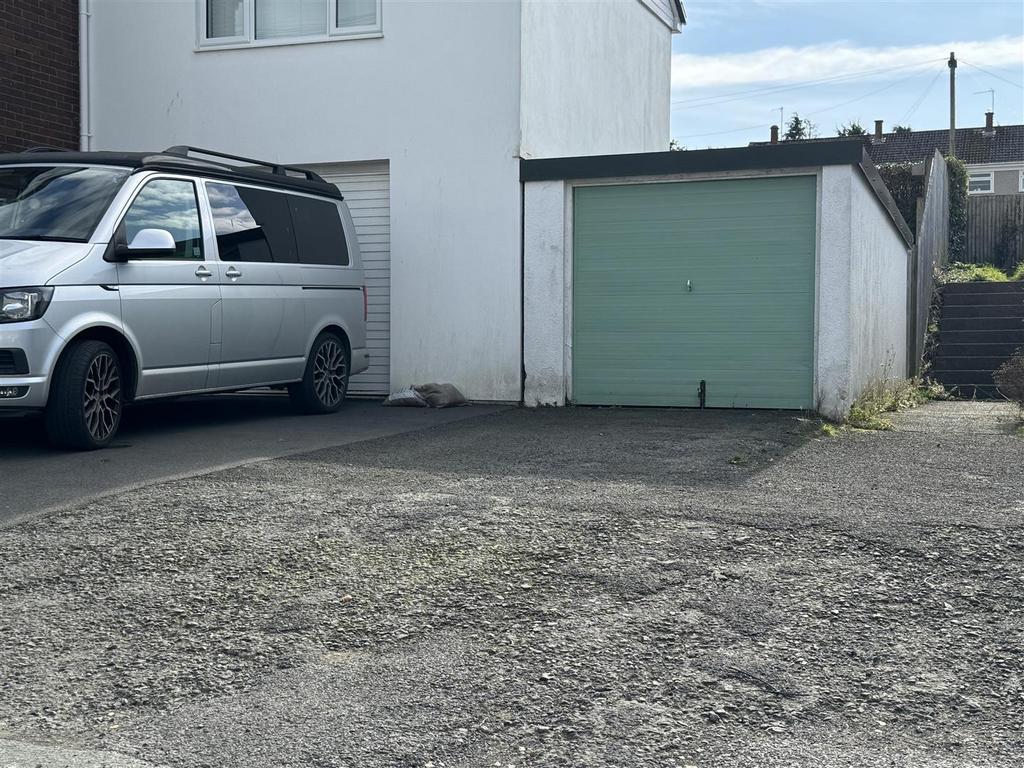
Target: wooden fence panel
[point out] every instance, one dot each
(995, 230)
(931, 251)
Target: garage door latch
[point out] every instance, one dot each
(702, 393)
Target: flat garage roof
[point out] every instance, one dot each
(793, 154)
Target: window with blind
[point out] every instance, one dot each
(268, 22)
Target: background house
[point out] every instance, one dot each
(994, 156)
(420, 112)
(39, 74)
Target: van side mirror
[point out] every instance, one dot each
(147, 243)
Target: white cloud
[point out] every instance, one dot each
(814, 62)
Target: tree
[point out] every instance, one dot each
(900, 129)
(675, 146)
(852, 129)
(798, 128)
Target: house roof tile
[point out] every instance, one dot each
(973, 146)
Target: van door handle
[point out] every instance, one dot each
(203, 272)
(233, 273)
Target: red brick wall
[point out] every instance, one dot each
(38, 74)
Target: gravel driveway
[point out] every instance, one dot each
(538, 588)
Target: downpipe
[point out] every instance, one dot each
(84, 76)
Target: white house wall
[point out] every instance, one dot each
(596, 78)
(437, 96)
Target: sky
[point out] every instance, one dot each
(737, 62)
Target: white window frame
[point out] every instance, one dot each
(976, 175)
(248, 39)
(1020, 177)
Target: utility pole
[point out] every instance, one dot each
(952, 104)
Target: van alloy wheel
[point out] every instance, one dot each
(330, 373)
(102, 397)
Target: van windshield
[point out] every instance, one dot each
(55, 202)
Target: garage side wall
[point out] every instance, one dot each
(862, 289)
(544, 292)
(879, 292)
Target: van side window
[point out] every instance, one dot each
(168, 204)
(318, 231)
(251, 224)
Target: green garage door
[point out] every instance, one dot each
(675, 283)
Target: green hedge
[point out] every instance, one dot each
(905, 188)
(957, 209)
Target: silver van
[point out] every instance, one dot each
(132, 276)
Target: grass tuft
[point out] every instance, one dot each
(889, 397)
(830, 430)
(959, 272)
(1018, 274)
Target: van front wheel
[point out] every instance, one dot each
(85, 404)
(325, 383)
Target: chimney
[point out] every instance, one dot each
(878, 129)
(989, 116)
(775, 134)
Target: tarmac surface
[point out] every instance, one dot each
(559, 587)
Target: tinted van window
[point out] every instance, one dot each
(318, 231)
(168, 204)
(251, 224)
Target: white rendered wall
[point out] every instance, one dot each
(879, 292)
(437, 95)
(596, 78)
(544, 292)
(862, 292)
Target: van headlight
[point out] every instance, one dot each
(20, 304)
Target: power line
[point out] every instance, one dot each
(867, 95)
(912, 109)
(722, 133)
(734, 95)
(993, 74)
(815, 112)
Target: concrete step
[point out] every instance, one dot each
(960, 378)
(962, 298)
(982, 337)
(945, 362)
(952, 349)
(974, 391)
(1010, 287)
(981, 324)
(984, 310)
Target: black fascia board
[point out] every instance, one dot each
(785, 155)
(793, 154)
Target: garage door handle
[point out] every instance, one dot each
(689, 286)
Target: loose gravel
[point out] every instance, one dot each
(538, 588)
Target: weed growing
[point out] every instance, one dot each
(884, 397)
(959, 272)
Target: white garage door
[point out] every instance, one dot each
(366, 187)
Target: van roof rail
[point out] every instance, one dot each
(278, 169)
(45, 149)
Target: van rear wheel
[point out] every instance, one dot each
(85, 404)
(325, 382)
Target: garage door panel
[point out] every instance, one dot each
(366, 188)
(675, 283)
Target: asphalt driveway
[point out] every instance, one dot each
(187, 436)
(538, 588)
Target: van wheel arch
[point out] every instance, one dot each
(338, 331)
(120, 344)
